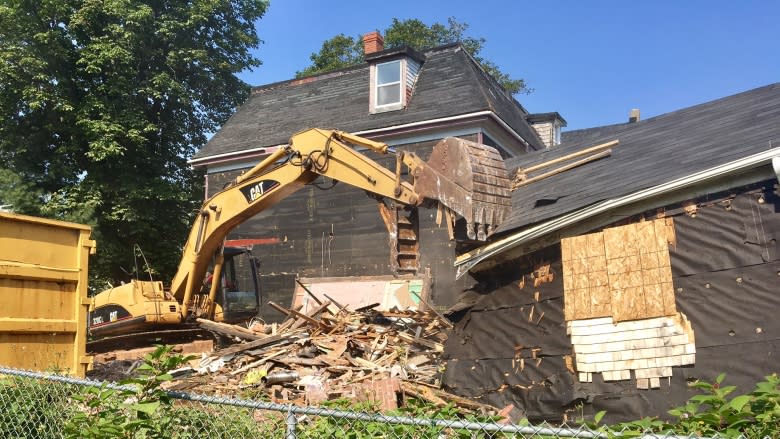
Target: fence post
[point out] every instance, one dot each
(292, 421)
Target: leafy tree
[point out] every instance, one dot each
(343, 51)
(101, 104)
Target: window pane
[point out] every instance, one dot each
(388, 94)
(388, 72)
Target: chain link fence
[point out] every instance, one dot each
(36, 405)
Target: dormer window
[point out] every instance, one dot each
(548, 127)
(392, 83)
(388, 84)
(393, 74)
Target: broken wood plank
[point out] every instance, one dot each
(443, 319)
(313, 313)
(308, 291)
(257, 363)
(424, 393)
(573, 155)
(279, 308)
(367, 307)
(300, 360)
(340, 306)
(421, 341)
(584, 161)
(450, 217)
(307, 319)
(263, 342)
(229, 330)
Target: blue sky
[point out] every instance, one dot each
(592, 61)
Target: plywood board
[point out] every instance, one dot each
(649, 260)
(645, 237)
(617, 266)
(667, 292)
(579, 246)
(631, 245)
(614, 242)
(578, 265)
(596, 263)
(654, 300)
(600, 295)
(568, 303)
(650, 278)
(664, 259)
(629, 304)
(565, 250)
(581, 295)
(664, 231)
(595, 243)
(568, 281)
(636, 260)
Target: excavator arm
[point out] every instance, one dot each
(457, 182)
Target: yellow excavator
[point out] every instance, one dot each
(468, 179)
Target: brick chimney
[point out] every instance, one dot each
(373, 42)
(633, 115)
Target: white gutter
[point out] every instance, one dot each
(489, 113)
(469, 260)
(380, 130)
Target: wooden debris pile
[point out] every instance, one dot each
(331, 353)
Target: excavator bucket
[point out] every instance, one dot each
(470, 179)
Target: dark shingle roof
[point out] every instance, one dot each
(450, 83)
(581, 137)
(651, 152)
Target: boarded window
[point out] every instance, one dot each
(623, 272)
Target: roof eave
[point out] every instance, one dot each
(580, 217)
(228, 156)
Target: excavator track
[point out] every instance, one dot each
(148, 339)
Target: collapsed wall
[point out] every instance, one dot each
(516, 339)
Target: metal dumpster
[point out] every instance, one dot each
(43, 294)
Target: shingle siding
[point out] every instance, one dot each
(545, 132)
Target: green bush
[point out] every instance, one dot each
(716, 412)
(322, 426)
(29, 409)
(150, 412)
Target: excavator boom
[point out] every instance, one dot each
(467, 178)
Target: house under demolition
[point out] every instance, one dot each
(620, 276)
(616, 283)
(331, 235)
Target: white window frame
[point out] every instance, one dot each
(375, 107)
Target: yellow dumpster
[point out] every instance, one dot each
(43, 294)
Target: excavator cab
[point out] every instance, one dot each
(237, 298)
(240, 298)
